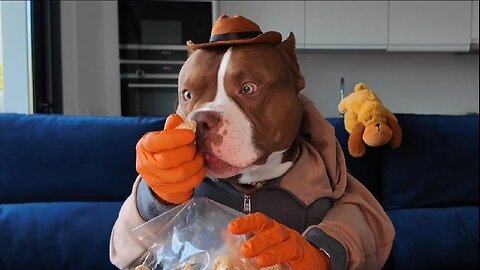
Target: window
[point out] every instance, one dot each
(1, 62)
(15, 57)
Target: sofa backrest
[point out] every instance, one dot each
(69, 158)
(365, 169)
(47, 158)
(435, 166)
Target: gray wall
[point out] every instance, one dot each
(90, 65)
(424, 83)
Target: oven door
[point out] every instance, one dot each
(152, 36)
(154, 98)
(149, 78)
(164, 22)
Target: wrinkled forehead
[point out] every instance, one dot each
(203, 64)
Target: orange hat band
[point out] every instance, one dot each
(233, 36)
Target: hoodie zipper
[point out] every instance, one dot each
(247, 204)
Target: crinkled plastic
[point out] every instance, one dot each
(194, 236)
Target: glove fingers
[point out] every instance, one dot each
(173, 158)
(279, 253)
(252, 223)
(157, 141)
(179, 187)
(190, 183)
(173, 120)
(181, 173)
(176, 193)
(146, 166)
(265, 240)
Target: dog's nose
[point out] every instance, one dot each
(206, 121)
(377, 125)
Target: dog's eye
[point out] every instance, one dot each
(248, 88)
(186, 95)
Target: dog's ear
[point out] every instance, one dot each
(396, 139)
(288, 47)
(190, 49)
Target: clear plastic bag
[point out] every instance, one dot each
(194, 236)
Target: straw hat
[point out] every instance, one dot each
(237, 30)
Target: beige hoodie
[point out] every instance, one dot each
(356, 220)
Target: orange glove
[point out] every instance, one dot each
(168, 162)
(275, 243)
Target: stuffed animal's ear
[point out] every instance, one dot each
(396, 139)
(190, 49)
(356, 146)
(288, 46)
(360, 86)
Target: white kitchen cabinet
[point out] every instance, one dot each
(280, 16)
(346, 24)
(429, 25)
(475, 22)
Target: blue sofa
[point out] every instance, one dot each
(64, 178)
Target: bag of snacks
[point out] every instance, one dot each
(194, 236)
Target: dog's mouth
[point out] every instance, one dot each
(216, 164)
(216, 167)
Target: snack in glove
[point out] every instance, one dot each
(168, 161)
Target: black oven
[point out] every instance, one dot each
(152, 50)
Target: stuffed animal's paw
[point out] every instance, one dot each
(356, 146)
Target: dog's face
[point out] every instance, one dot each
(245, 102)
(377, 132)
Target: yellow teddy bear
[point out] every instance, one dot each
(368, 121)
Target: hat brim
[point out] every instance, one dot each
(270, 37)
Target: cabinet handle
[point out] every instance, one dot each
(153, 47)
(152, 85)
(152, 62)
(149, 76)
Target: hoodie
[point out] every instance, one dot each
(339, 215)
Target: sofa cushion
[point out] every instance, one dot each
(436, 238)
(69, 158)
(365, 169)
(437, 164)
(68, 235)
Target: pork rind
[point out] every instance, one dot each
(192, 125)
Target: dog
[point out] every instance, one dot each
(265, 151)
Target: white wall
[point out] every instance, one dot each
(91, 72)
(423, 83)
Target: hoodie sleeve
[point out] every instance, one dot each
(356, 233)
(141, 206)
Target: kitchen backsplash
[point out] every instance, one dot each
(424, 83)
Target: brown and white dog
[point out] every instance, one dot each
(278, 154)
(245, 102)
